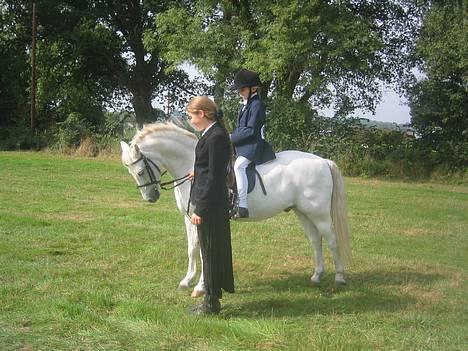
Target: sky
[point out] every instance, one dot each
(392, 108)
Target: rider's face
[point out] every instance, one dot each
(244, 93)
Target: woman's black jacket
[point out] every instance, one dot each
(211, 159)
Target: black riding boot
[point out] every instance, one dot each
(243, 212)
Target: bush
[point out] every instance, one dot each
(22, 138)
(71, 132)
(360, 150)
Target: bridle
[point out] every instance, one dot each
(163, 185)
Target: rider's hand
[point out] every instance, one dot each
(195, 219)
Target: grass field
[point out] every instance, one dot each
(86, 264)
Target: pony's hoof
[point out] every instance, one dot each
(340, 280)
(315, 279)
(182, 287)
(197, 293)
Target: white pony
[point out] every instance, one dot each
(308, 184)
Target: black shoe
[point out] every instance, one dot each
(242, 212)
(205, 309)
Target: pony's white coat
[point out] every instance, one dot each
(306, 183)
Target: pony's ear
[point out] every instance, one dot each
(136, 151)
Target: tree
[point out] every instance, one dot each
(77, 61)
(91, 55)
(144, 72)
(310, 54)
(439, 102)
(319, 52)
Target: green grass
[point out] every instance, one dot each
(86, 264)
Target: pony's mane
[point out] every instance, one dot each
(161, 127)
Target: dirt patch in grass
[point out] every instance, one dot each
(74, 217)
(415, 232)
(425, 297)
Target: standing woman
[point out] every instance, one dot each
(210, 199)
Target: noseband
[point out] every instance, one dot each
(147, 161)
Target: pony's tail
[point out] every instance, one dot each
(339, 214)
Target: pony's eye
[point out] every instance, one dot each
(140, 172)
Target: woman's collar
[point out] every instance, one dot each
(206, 129)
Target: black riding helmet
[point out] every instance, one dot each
(246, 79)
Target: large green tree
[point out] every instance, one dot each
(91, 56)
(439, 101)
(317, 52)
(145, 73)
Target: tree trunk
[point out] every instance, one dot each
(141, 102)
(140, 80)
(289, 82)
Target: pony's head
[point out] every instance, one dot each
(145, 172)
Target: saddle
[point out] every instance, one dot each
(252, 175)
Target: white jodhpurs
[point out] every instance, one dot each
(241, 179)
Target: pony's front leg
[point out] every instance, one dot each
(199, 289)
(193, 249)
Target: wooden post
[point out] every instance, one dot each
(33, 66)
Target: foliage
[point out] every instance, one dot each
(74, 74)
(439, 102)
(22, 137)
(86, 264)
(359, 150)
(14, 34)
(76, 135)
(72, 131)
(323, 53)
(311, 54)
(146, 74)
(300, 131)
(91, 57)
(96, 56)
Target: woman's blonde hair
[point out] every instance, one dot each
(213, 113)
(205, 104)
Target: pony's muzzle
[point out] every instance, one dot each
(154, 196)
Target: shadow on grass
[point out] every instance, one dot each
(371, 291)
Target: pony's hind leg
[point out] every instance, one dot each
(316, 242)
(325, 228)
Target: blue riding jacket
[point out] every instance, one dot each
(247, 137)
